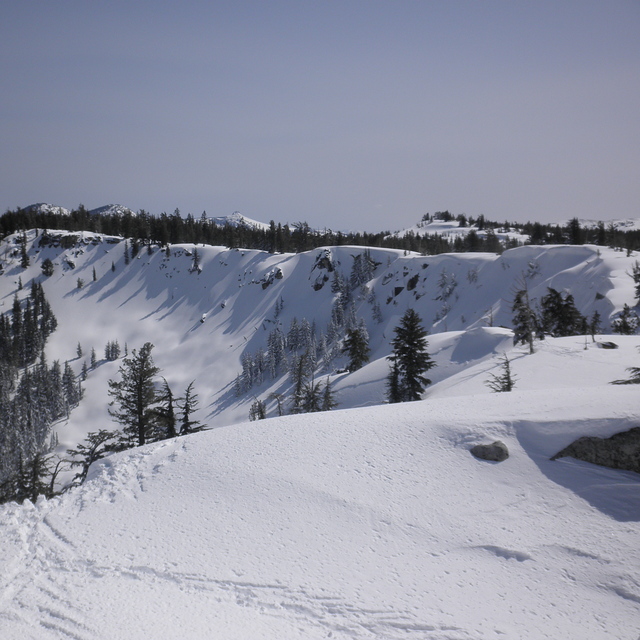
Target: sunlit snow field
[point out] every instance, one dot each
(370, 521)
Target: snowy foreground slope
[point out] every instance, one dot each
(362, 523)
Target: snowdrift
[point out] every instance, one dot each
(367, 523)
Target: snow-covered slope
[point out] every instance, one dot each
(112, 209)
(365, 523)
(370, 522)
(236, 219)
(161, 299)
(43, 207)
(451, 229)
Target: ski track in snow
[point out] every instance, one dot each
(39, 595)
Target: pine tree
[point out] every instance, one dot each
(47, 267)
(188, 404)
(635, 274)
(559, 314)
(24, 256)
(311, 397)
(298, 375)
(524, 319)
(356, 346)
(409, 359)
(595, 325)
(135, 398)
(257, 411)
(626, 323)
(328, 397)
(166, 427)
(98, 445)
(505, 381)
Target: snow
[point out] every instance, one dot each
(451, 229)
(362, 523)
(371, 521)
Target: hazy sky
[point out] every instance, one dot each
(347, 114)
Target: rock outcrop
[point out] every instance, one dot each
(620, 451)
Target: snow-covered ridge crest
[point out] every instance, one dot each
(43, 207)
(112, 209)
(236, 219)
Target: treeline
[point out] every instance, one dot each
(173, 228)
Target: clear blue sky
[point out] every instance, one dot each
(348, 114)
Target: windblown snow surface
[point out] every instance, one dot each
(371, 521)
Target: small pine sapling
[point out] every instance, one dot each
(505, 381)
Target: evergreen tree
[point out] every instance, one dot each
(328, 397)
(559, 315)
(394, 391)
(505, 381)
(257, 411)
(356, 346)
(188, 405)
(166, 427)
(298, 375)
(635, 274)
(24, 256)
(595, 325)
(626, 323)
(409, 359)
(135, 398)
(311, 397)
(524, 319)
(278, 398)
(47, 267)
(98, 445)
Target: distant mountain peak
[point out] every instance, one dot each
(43, 207)
(112, 209)
(236, 219)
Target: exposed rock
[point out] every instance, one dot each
(495, 452)
(607, 345)
(620, 451)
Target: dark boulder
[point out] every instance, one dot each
(620, 451)
(495, 452)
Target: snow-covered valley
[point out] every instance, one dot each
(369, 521)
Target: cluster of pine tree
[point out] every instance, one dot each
(556, 316)
(148, 415)
(33, 395)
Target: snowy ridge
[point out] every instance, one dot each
(237, 291)
(451, 230)
(236, 219)
(367, 522)
(112, 209)
(43, 207)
